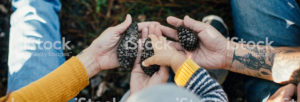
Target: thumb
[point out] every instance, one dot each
(124, 25)
(194, 24)
(150, 61)
(154, 60)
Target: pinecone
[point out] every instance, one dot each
(146, 53)
(128, 47)
(187, 38)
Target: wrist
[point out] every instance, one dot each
(176, 61)
(229, 53)
(89, 61)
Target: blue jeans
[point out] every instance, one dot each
(35, 46)
(256, 20)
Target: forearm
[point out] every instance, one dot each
(264, 62)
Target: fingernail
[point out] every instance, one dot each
(143, 63)
(190, 18)
(127, 15)
(186, 17)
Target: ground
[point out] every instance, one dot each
(84, 20)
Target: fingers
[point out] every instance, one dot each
(194, 24)
(163, 39)
(169, 32)
(150, 61)
(157, 30)
(151, 29)
(124, 25)
(155, 42)
(145, 33)
(137, 69)
(153, 38)
(143, 25)
(176, 22)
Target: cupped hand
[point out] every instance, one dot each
(102, 53)
(139, 80)
(213, 48)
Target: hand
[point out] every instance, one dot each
(139, 80)
(164, 54)
(285, 94)
(212, 49)
(102, 53)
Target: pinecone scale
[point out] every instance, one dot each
(187, 38)
(128, 47)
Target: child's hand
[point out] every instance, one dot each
(164, 54)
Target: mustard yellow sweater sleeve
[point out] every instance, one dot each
(61, 85)
(185, 72)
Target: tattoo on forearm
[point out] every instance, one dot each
(258, 59)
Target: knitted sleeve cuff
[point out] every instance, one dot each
(185, 72)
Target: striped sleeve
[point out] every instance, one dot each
(197, 80)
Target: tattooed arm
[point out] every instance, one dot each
(275, 64)
(272, 63)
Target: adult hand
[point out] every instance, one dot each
(212, 49)
(285, 94)
(102, 53)
(139, 80)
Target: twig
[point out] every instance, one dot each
(108, 13)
